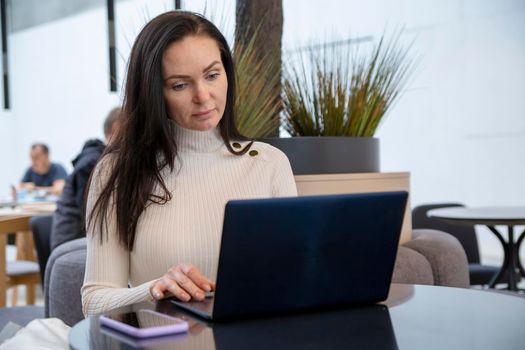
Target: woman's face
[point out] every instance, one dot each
(195, 82)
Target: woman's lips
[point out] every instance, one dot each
(203, 113)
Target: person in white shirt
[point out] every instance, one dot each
(156, 200)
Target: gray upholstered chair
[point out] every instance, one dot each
(63, 278)
(466, 235)
(431, 257)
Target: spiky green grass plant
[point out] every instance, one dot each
(337, 91)
(256, 105)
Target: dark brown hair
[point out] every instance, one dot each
(42, 146)
(145, 144)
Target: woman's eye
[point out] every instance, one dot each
(178, 87)
(212, 76)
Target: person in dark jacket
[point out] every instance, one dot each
(66, 223)
(67, 220)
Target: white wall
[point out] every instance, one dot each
(7, 150)
(59, 90)
(60, 85)
(459, 129)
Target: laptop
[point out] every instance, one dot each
(281, 255)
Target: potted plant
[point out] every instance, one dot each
(255, 90)
(334, 100)
(333, 104)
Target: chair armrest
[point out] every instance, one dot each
(445, 254)
(412, 268)
(63, 279)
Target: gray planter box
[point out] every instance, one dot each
(329, 155)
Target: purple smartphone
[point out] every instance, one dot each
(144, 323)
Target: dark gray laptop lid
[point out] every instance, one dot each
(285, 254)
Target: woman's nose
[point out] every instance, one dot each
(202, 94)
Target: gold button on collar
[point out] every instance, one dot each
(253, 153)
(236, 145)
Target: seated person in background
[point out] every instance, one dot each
(66, 223)
(67, 219)
(43, 174)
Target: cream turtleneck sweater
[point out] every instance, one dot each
(188, 228)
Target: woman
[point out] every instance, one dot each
(156, 200)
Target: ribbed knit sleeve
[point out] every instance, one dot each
(283, 182)
(107, 265)
(187, 228)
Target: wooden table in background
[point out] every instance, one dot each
(16, 220)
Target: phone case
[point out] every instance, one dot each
(143, 341)
(179, 327)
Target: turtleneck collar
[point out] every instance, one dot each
(197, 141)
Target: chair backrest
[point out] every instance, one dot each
(465, 234)
(63, 279)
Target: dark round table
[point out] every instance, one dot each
(491, 217)
(413, 317)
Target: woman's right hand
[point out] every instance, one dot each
(184, 281)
